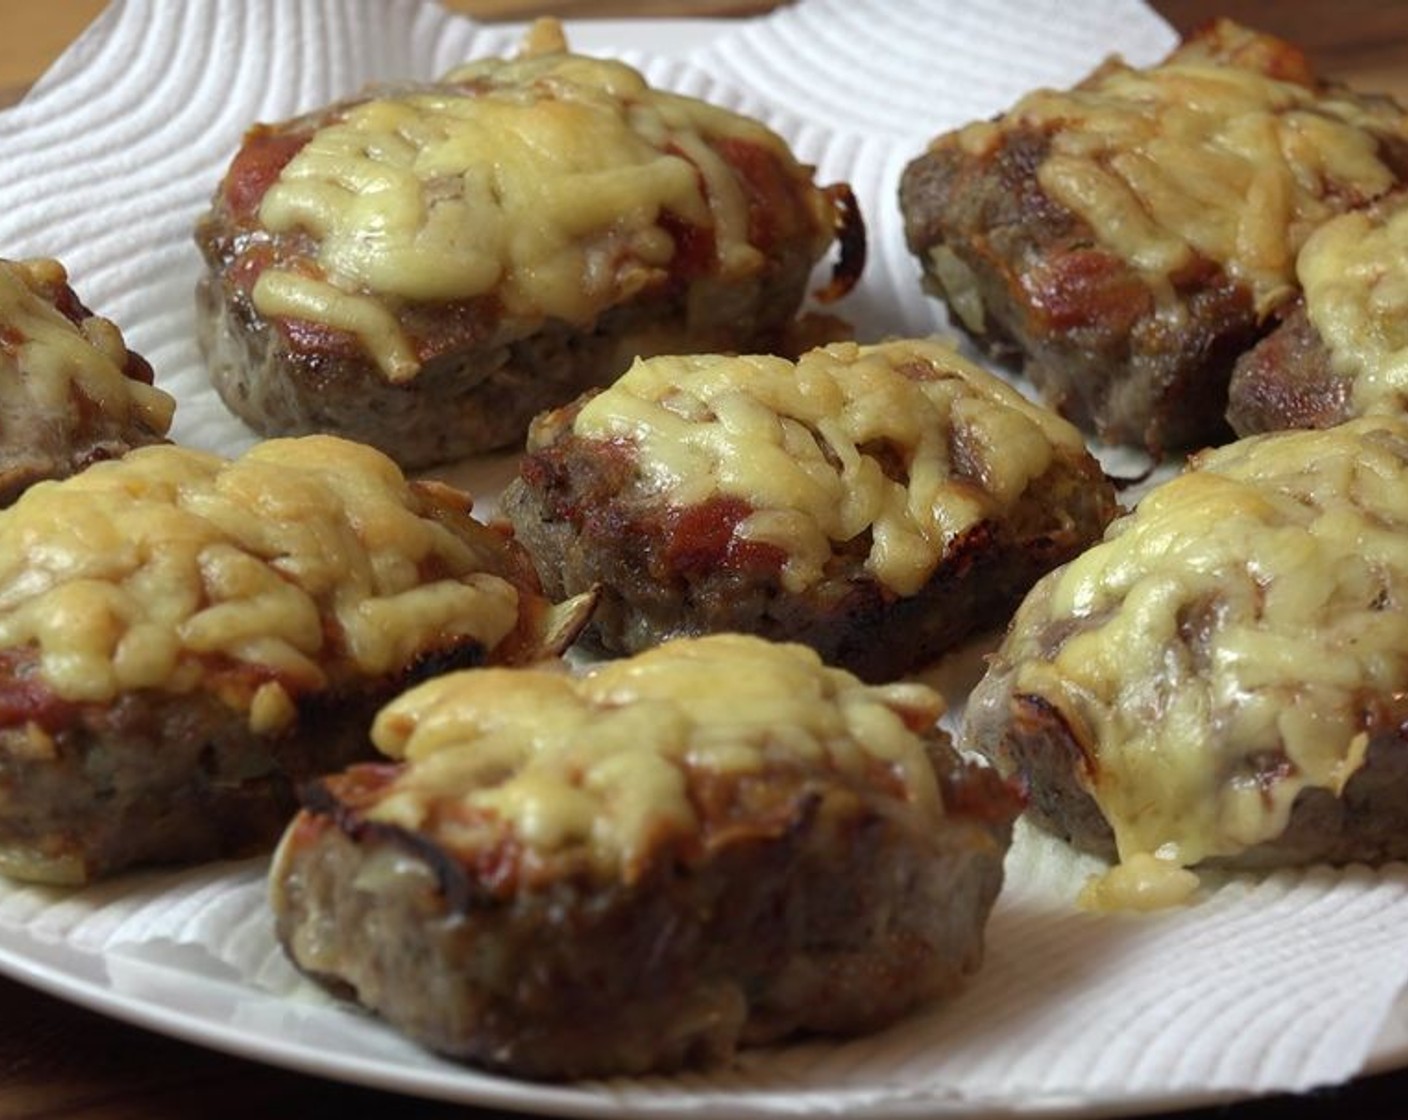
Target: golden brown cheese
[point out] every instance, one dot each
(306, 558)
(46, 360)
(1354, 271)
(797, 443)
(529, 179)
(1238, 613)
(604, 761)
(1199, 158)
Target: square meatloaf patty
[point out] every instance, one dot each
(714, 844)
(423, 268)
(184, 637)
(1130, 237)
(1222, 680)
(878, 504)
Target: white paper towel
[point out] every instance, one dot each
(1282, 982)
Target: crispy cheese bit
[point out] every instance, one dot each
(1220, 152)
(549, 181)
(605, 763)
(51, 362)
(305, 562)
(1226, 634)
(803, 445)
(1354, 271)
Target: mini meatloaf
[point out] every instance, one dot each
(718, 843)
(71, 392)
(878, 504)
(183, 637)
(1224, 679)
(425, 268)
(1130, 238)
(1342, 348)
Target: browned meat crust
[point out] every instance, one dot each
(1286, 381)
(813, 907)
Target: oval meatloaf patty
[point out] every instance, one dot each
(1130, 237)
(1222, 680)
(424, 268)
(717, 843)
(1341, 349)
(183, 637)
(878, 504)
(71, 393)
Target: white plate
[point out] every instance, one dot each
(1072, 1014)
(191, 954)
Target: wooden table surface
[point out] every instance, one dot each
(61, 1062)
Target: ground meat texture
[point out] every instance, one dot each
(799, 900)
(593, 514)
(1104, 237)
(1220, 682)
(71, 393)
(668, 226)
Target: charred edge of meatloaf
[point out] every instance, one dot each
(849, 618)
(1083, 321)
(839, 921)
(1027, 738)
(467, 401)
(1286, 381)
(156, 778)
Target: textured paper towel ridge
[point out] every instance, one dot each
(1281, 982)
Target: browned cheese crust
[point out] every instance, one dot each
(184, 638)
(1119, 240)
(952, 521)
(1221, 682)
(515, 277)
(756, 902)
(71, 393)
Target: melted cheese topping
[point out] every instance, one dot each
(806, 445)
(304, 560)
(1197, 157)
(1249, 607)
(46, 361)
(606, 761)
(1354, 271)
(542, 181)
